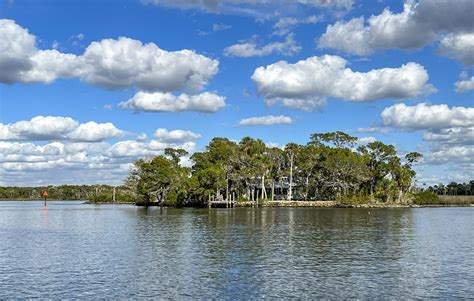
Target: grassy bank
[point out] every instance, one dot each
(428, 198)
(456, 200)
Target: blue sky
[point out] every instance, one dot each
(81, 82)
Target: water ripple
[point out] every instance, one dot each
(72, 250)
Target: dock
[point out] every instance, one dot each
(226, 204)
(219, 201)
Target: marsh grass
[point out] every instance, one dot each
(430, 198)
(458, 200)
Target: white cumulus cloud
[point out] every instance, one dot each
(61, 162)
(451, 154)
(38, 128)
(465, 85)
(366, 140)
(459, 47)
(285, 24)
(373, 129)
(249, 49)
(256, 8)
(77, 152)
(425, 116)
(93, 131)
(440, 123)
(306, 84)
(109, 63)
(384, 31)
(128, 150)
(47, 128)
(21, 61)
(454, 135)
(126, 62)
(420, 23)
(175, 136)
(166, 102)
(265, 120)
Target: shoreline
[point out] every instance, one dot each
(273, 204)
(318, 204)
(334, 204)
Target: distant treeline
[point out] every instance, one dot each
(93, 193)
(453, 188)
(328, 167)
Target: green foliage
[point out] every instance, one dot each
(454, 189)
(345, 170)
(386, 191)
(93, 193)
(354, 199)
(160, 179)
(338, 139)
(412, 157)
(121, 196)
(327, 168)
(426, 198)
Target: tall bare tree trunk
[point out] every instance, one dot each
(307, 189)
(264, 191)
(273, 189)
(227, 189)
(290, 189)
(400, 195)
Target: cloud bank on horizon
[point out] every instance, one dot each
(80, 99)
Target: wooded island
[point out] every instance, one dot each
(328, 167)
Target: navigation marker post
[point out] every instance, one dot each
(45, 194)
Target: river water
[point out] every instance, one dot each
(73, 250)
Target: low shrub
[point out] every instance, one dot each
(355, 199)
(426, 197)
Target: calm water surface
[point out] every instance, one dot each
(72, 250)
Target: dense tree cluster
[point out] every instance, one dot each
(93, 193)
(453, 188)
(328, 167)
